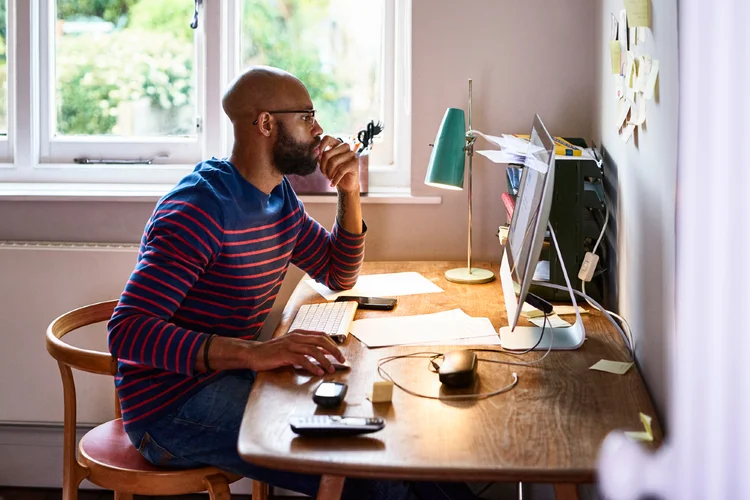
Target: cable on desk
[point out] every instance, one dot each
(434, 367)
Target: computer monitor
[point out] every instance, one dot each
(523, 247)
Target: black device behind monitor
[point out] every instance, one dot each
(383, 304)
(459, 368)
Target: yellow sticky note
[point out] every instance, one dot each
(639, 13)
(647, 435)
(614, 54)
(381, 392)
(563, 310)
(616, 367)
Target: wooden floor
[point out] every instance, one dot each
(7, 493)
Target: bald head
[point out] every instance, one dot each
(263, 88)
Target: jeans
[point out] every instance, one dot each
(204, 431)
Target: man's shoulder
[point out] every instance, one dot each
(203, 190)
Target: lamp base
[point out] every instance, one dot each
(477, 276)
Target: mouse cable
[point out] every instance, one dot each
(432, 355)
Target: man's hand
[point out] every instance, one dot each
(339, 164)
(293, 349)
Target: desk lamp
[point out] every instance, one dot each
(446, 170)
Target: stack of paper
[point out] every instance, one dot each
(445, 327)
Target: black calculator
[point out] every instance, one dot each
(333, 425)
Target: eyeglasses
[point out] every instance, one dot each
(308, 115)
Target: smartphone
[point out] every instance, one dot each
(370, 302)
(329, 394)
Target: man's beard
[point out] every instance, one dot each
(291, 157)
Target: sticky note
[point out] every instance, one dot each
(561, 310)
(381, 392)
(639, 13)
(616, 367)
(614, 55)
(553, 321)
(647, 435)
(627, 132)
(648, 91)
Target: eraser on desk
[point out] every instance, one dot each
(382, 392)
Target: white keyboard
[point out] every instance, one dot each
(332, 318)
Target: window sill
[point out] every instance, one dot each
(152, 192)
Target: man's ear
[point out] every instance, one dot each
(265, 124)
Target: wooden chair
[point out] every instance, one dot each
(106, 457)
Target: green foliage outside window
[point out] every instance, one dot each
(92, 80)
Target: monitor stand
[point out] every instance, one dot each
(525, 337)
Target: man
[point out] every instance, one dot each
(212, 259)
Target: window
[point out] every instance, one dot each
(4, 70)
(127, 91)
(120, 81)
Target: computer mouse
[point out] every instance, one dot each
(459, 368)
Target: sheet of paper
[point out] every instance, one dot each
(493, 339)
(614, 55)
(553, 321)
(623, 114)
(619, 87)
(639, 12)
(633, 118)
(627, 132)
(641, 110)
(648, 91)
(644, 70)
(382, 285)
(641, 34)
(616, 367)
(632, 38)
(613, 27)
(629, 68)
(444, 327)
(497, 156)
(647, 435)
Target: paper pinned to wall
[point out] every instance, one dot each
(622, 31)
(639, 13)
(641, 111)
(650, 88)
(614, 55)
(381, 285)
(623, 113)
(627, 132)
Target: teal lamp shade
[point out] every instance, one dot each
(446, 167)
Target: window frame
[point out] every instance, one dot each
(33, 154)
(6, 143)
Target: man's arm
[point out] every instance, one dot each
(349, 214)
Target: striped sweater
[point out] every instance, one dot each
(212, 260)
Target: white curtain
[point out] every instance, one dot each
(707, 453)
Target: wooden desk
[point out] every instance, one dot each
(548, 429)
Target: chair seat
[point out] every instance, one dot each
(114, 463)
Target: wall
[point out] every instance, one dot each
(646, 176)
(525, 57)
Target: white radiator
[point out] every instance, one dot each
(38, 282)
